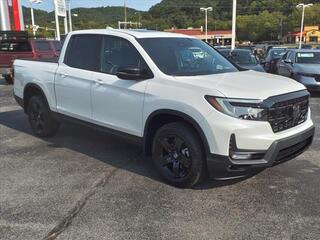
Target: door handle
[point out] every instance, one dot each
(98, 81)
(63, 75)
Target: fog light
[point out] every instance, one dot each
(241, 156)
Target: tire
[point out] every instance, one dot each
(8, 79)
(178, 156)
(41, 121)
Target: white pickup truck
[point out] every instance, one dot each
(193, 111)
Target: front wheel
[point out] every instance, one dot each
(40, 118)
(178, 156)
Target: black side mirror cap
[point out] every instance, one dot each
(133, 73)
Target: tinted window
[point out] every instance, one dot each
(185, 56)
(241, 57)
(42, 46)
(15, 47)
(118, 52)
(57, 46)
(308, 57)
(277, 53)
(84, 52)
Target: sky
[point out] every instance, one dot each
(143, 5)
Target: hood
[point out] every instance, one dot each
(254, 67)
(307, 68)
(245, 84)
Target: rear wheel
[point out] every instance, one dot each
(178, 156)
(41, 121)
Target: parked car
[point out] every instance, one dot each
(193, 113)
(23, 48)
(302, 65)
(270, 62)
(244, 58)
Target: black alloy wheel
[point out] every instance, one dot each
(178, 155)
(40, 118)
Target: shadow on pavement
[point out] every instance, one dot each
(101, 146)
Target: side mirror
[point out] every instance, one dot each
(133, 73)
(288, 61)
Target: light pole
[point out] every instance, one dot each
(234, 21)
(32, 14)
(139, 18)
(70, 15)
(206, 20)
(303, 6)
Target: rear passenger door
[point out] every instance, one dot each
(76, 74)
(117, 103)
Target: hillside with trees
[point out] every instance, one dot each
(257, 20)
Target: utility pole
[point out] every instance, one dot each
(206, 18)
(32, 15)
(125, 14)
(70, 15)
(303, 6)
(234, 21)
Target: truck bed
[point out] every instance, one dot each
(50, 60)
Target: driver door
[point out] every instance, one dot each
(117, 103)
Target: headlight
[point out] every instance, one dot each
(246, 109)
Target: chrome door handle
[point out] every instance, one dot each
(63, 75)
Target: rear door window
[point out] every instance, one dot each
(83, 52)
(15, 47)
(43, 46)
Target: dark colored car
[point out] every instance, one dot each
(12, 49)
(270, 62)
(302, 65)
(243, 57)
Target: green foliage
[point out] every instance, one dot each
(257, 19)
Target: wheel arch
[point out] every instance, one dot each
(30, 90)
(161, 117)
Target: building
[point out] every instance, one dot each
(310, 35)
(218, 37)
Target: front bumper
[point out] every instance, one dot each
(282, 150)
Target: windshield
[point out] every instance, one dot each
(185, 56)
(277, 53)
(308, 58)
(241, 57)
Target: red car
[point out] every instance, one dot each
(24, 48)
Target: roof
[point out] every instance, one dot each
(138, 33)
(198, 31)
(304, 50)
(235, 50)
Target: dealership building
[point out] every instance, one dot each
(218, 37)
(310, 35)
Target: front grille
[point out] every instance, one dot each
(292, 151)
(286, 114)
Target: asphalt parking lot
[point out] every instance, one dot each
(84, 184)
